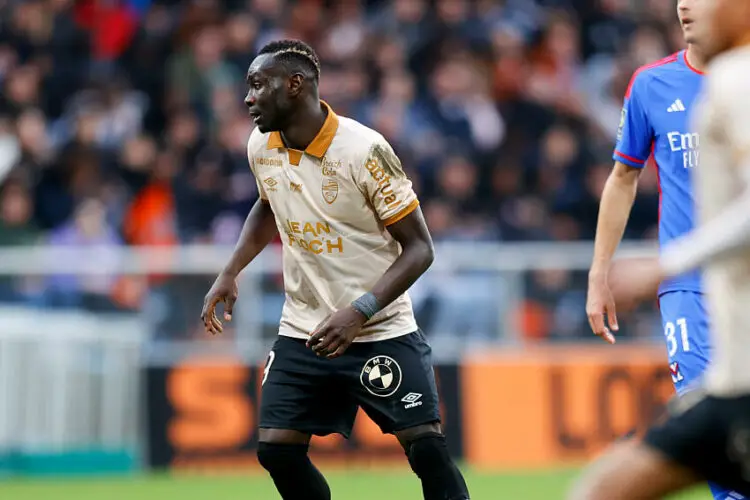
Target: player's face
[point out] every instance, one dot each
(267, 97)
(694, 19)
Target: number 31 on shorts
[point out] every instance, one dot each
(673, 343)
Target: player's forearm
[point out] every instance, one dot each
(723, 235)
(414, 260)
(257, 232)
(614, 210)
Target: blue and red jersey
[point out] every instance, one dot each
(656, 121)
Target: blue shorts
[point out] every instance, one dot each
(686, 332)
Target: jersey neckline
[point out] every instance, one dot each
(685, 60)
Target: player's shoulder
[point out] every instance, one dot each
(256, 142)
(646, 73)
(358, 139)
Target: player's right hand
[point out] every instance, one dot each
(223, 290)
(599, 303)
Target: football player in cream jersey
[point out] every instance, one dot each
(354, 240)
(707, 434)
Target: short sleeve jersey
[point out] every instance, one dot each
(332, 204)
(656, 121)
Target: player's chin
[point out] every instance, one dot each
(263, 127)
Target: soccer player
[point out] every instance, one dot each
(655, 121)
(707, 436)
(354, 241)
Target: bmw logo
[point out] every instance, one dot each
(381, 376)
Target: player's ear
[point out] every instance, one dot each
(296, 83)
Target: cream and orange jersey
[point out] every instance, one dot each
(724, 179)
(332, 204)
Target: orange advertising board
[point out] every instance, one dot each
(524, 409)
(553, 406)
(203, 414)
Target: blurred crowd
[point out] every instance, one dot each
(122, 122)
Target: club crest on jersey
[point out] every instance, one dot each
(381, 376)
(674, 370)
(330, 189)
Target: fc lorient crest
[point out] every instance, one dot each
(330, 189)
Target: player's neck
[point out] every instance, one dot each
(696, 58)
(304, 126)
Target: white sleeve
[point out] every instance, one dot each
(718, 238)
(727, 119)
(381, 177)
(251, 146)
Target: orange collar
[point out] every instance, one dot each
(322, 141)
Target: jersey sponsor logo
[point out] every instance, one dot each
(330, 185)
(687, 144)
(313, 237)
(384, 181)
(270, 183)
(381, 376)
(330, 166)
(676, 107)
(674, 370)
(412, 400)
(268, 162)
(621, 127)
(297, 188)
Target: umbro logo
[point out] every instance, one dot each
(676, 107)
(270, 183)
(412, 400)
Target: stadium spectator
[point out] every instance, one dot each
(503, 112)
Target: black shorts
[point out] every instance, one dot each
(710, 437)
(392, 380)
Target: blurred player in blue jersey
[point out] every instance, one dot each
(656, 121)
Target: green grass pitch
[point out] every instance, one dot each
(345, 485)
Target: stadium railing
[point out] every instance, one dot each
(71, 368)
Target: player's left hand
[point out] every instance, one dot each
(634, 280)
(336, 333)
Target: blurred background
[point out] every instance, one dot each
(124, 184)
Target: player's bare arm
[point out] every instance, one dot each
(725, 232)
(633, 280)
(338, 331)
(257, 232)
(617, 201)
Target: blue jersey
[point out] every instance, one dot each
(656, 121)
